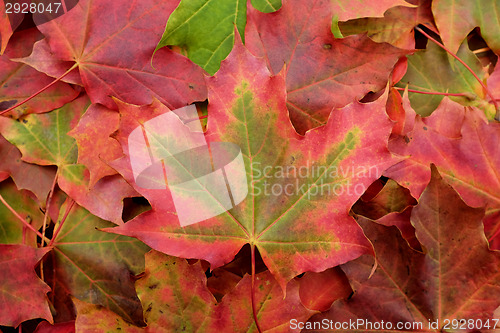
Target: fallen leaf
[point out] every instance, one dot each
(396, 27)
(468, 164)
(95, 266)
(95, 147)
(419, 289)
(308, 230)
(12, 231)
(321, 72)
(27, 176)
(206, 28)
(319, 290)
(430, 70)
(456, 18)
(96, 44)
(19, 81)
(23, 294)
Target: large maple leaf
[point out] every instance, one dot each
(321, 72)
(99, 45)
(308, 230)
(412, 288)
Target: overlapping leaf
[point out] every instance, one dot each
(206, 29)
(32, 177)
(95, 266)
(396, 27)
(321, 72)
(100, 47)
(456, 18)
(23, 294)
(19, 81)
(175, 297)
(95, 147)
(469, 164)
(44, 140)
(307, 230)
(12, 231)
(431, 71)
(409, 287)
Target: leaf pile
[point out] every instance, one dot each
(370, 145)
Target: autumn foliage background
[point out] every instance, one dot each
(409, 89)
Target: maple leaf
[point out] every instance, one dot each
(175, 297)
(418, 288)
(19, 81)
(431, 70)
(468, 164)
(23, 294)
(319, 290)
(482, 13)
(391, 198)
(206, 28)
(86, 38)
(27, 176)
(5, 28)
(294, 233)
(396, 27)
(95, 147)
(95, 266)
(12, 231)
(104, 199)
(45, 327)
(321, 72)
(43, 139)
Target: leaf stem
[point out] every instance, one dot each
(497, 116)
(66, 213)
(254, 310)
(432, 92)
(41, 90)
(19, 217)
(47, 207)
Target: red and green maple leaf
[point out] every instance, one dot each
(296, 233)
